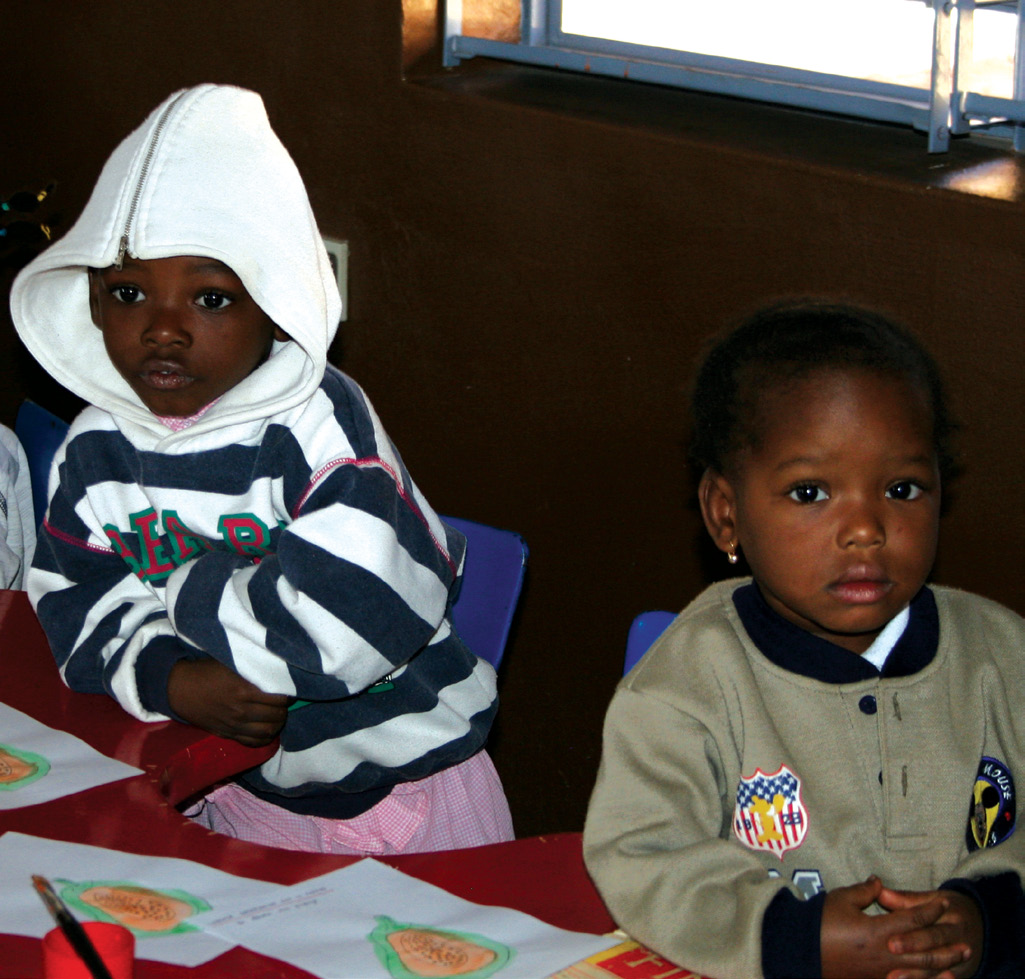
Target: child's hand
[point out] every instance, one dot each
(959, 926)
(855, 944)
(208, 694)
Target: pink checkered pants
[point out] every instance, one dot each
(461, 806)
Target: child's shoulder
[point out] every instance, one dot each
(712, 609)
(345, 397)
(90, 419)
(708, 631)
(972, 618)
(338, 386)
(338, 420)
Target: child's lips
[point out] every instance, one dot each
(861, 585)
(165, 375)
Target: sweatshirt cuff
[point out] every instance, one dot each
(1002, 906)
(153, 670)
(790, 937)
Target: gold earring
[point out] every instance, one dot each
(731, 554)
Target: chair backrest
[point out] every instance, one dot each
(40, 433)
(492, 580)
(644, 630)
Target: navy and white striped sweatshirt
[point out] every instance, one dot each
(279, 534)
(305, 559)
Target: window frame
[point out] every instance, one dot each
(942, 111)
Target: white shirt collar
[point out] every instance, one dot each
(879, 651)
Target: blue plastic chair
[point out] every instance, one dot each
(644, 630)
(493, 574)
(40, 433)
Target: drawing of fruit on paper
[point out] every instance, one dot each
(19, 768)
(143, 910)
(418, 952)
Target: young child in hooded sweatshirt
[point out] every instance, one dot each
(230, 531)
(812, 771)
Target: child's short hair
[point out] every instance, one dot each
(787, 342)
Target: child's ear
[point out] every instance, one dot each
(280, 334)
(719, 509)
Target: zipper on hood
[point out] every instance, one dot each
(143, 173)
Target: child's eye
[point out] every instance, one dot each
(808, 493)
(127, 294)
(904, 490)
(212, 299)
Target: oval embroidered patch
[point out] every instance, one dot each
(992, 812)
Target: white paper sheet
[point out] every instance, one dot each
(22, 912)
(58, 763)
(325, 925)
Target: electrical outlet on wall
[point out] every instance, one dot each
(338, 253)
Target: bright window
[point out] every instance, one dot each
(817, 35)
(943, 67)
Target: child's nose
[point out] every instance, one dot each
(166, 327)
(862, 526)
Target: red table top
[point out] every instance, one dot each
(543, 876)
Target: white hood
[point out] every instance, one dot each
(204, 175)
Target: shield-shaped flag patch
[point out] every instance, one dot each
(770, 814)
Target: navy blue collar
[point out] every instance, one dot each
(790, 647)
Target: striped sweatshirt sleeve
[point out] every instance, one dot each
(108, 630)
(358, 582)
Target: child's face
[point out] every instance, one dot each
(837, 508)
(181, 331)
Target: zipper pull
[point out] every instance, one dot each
(122, 248)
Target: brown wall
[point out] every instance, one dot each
(534, 262)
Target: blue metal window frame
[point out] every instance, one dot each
(941, 111)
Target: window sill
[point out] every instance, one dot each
(975, 166)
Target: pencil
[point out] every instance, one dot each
(73, 931)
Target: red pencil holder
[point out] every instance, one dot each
(116, 946)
